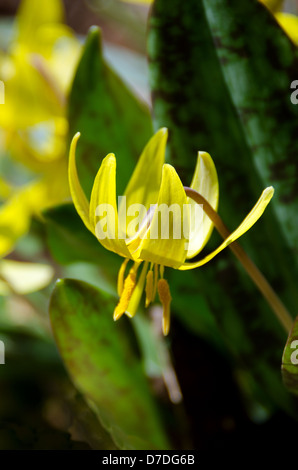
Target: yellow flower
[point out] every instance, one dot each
(156, 187)
(37, 72)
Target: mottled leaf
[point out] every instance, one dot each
(192, 99)
(102, 363)
(259, 63)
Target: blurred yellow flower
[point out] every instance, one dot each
(37, 72)
(156, 187)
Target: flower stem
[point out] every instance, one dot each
(254, 273)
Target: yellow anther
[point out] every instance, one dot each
(165, 298)
(128, 288)
(120, 283)
(149, 289)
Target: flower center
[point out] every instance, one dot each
(130, 291)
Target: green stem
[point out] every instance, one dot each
(254, 273)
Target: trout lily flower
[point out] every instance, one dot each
(156, 238)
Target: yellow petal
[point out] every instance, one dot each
(32, 15)
(29, 97)
(78, 196)
(63, 55)
(55, 184)
(247, 223)
(144, 184)
(165, 242)
(103, 205)
(290, 24)
(16, 213)
(5, 189)
(205, 182)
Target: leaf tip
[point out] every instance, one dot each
(94, 33)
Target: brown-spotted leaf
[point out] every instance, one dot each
(102, 363)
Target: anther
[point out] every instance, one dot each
(165, 298)
(149, 289)
(128, 288)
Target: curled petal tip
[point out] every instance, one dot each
(269, 191)
(267, 194)
(163, 133)
(109, 157)
(116, 316)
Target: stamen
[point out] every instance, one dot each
(120, 283)
(155, 280)
(127, 291)
(137, 293)
(161, 271)
(165, 298)
(149, 289)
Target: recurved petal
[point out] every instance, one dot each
(165, 242)
(143, 186)
(78, 196)
(247, 223)
(103, 208)
(205, 182)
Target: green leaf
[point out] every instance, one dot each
(191, 98)
(290, 360)
(85, 425)
(259, 63)
(108, 115)
(101, 361)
